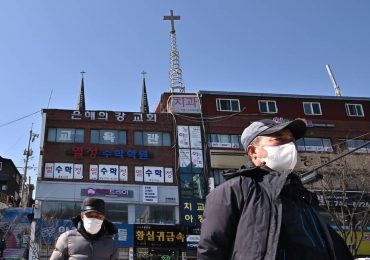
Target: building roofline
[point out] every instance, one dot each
(227, 93)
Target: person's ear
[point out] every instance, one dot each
(251, 150)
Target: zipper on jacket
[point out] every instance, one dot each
(306, 231)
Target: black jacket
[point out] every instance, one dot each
(243, 218)
(78, 244)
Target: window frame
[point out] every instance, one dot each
(302, 146)
(267, 106)
(311, 107)
(142, 134)
(356, 108)
(52, 135)
(219, 108)
(118, 133)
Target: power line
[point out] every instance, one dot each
(20, 118)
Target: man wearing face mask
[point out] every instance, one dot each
(92, 238)
(263, 211)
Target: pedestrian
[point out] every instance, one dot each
(2, 247)
(92, 238)
(262, 211)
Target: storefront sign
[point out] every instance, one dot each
(125, 235)
(80, 151)
(197, 158)
(160, 236)
(183, 136)
(184, 104)
(192, 241)
(195, 137)
(48, 231)
(150, 194)
(63, 171)
(192, 212)
(184, 158)
(91, 192)
(340, 199)
(119, 116)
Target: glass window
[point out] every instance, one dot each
(117, 212)
(218, 176)
(138, 138)
(157, 214)
(65, 135)
(106, 136)
(224, 141)
(354, 110)
(312, 144)
(60, 209)
(312, 108)
(152, 138)
(52, 133)
(267, 106)
(166, 139)
(228, 105)
(355, 143)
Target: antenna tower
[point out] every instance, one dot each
(335, 85)
(176, 84)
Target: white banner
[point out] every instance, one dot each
(197, 158)
(168, 175)
(78, 171)
(195, 137)
(49, 170)
(108, 172)
(183, 136)
(139, 174)
(184, 157)
(93, 173)
(153, 174)
(150, 194)
(63, 170)
(123, 173)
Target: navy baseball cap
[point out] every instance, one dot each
(269, 126)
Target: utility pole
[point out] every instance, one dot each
(28, 153)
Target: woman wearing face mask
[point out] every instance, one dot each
(263, 211)
(92, 238)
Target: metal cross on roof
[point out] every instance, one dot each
(172, 18)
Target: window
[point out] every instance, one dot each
(65, 135)
(116, 212)
(218, 176)
(155, 214)
(224, 141)
(60, 209)
(192, 186)
(314, 145)
(267, 106)
(354, 143)
(228, 105)
(105, 136)
(312, 108)
(152, 138)
(354, 110)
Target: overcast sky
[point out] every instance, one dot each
(239, 45)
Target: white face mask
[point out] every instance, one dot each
(281, 158)
(92, 225)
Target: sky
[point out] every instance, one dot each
(260, 46)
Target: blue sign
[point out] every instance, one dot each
(125, 235)
(48, 231)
